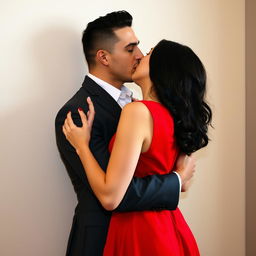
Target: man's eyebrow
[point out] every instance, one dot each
(132, 44)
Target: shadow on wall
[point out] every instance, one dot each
(38, 193)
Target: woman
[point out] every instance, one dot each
(171, 118)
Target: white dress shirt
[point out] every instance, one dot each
(122, 97)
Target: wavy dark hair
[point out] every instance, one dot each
(179, 80)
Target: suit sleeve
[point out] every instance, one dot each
(154, 192)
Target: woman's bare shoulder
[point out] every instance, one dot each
(137, 109)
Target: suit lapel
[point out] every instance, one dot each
(102, 97)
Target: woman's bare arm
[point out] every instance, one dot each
(111, 186)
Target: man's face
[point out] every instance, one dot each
(125, 55)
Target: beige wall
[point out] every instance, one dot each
(250, 127)
(42, 66)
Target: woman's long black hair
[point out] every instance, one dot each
(179, 80)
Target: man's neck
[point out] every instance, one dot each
(106, 78)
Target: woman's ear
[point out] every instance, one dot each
(102, 57)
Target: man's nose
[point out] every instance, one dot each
(139, 54)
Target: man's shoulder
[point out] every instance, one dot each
(77, 100)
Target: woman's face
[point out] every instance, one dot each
(142, 71)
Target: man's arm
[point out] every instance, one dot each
(154, 192)
(158, 192)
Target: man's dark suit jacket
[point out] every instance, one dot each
(91, 220)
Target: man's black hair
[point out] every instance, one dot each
(99, 34)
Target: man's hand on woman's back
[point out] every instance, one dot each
(185, 167)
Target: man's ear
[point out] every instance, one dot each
(102, 57)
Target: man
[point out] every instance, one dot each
(111, 50)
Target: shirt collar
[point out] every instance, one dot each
(110, 89)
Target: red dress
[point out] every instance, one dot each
(152, 233)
